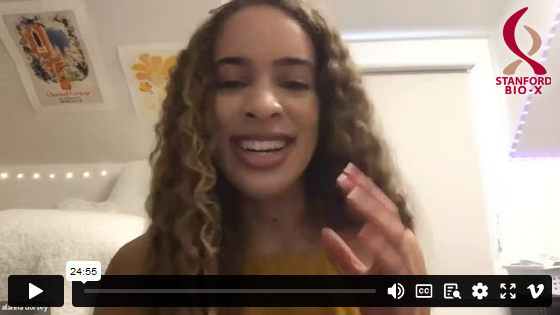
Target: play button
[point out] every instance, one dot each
(34, 291)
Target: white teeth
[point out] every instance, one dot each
(262, 145)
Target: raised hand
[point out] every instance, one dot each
(392, 248)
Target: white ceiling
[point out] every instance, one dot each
(414, 18)
(119, 135)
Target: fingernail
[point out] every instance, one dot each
(350, 168)
(342, 178)
(355, 194)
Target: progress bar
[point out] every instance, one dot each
(230, 291)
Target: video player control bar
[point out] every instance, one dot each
(231, 291)
(314, 291)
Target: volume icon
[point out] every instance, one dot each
(396, 291)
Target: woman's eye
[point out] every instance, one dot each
(231, 84)
(295, 85)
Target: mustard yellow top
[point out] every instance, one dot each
(294, 264)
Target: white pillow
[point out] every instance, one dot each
(132, 188)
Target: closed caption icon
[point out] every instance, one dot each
(423, 291)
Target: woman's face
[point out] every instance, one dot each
(266, 107)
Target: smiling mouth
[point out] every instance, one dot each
(256, 146)
(262, 152)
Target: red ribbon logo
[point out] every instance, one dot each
(509, 38)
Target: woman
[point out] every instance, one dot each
(251, 173)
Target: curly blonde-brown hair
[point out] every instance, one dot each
(193, 207)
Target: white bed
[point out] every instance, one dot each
(41, 241)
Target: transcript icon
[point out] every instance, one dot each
(451, 291)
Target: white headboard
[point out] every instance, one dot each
(91, 182)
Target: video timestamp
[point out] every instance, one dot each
(83, 271)
(86, 271)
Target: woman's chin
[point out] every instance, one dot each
(263, 192)
(264, 188)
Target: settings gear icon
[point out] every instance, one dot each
(480, 291)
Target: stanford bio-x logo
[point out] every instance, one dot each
(516, 85)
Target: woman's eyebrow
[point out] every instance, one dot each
(294, 61)
(286, 61)
(235, 61)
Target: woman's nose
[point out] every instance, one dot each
(262, 104)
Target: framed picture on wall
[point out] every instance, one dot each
(147, 69)
(52, 46)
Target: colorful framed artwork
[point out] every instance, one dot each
(52, 46)
(147, 69)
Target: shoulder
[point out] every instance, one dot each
(131, 259)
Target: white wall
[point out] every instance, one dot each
(530, 209)
(427, 120)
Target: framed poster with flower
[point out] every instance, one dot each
(147, 69)
(52, 46)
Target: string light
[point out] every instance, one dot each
(68, 175)
(534, 159)
(529, 99)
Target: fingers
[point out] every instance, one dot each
(360, 179)
(345, 184)
(364, 197)
(340, 252)
(374, 212)
(413, 253)
(391, 260)
(394, 248)
(386, 258)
